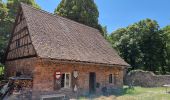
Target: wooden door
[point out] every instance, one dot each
(92, 82)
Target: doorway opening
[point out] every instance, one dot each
(92, 82)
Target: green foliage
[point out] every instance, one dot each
(105, 33)
(83, 11)
(12, 5)
(3, 11)
(166, 31)
(8, 12)
(153, 46)
(130, 91)
(4, 19)
(142, 45)
(126, 41)
(1, 69)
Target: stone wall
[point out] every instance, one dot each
(146, 79)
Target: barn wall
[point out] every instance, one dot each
(44, 73)
(25, 66)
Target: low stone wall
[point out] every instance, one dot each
(146, 79)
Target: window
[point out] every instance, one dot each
(66, 80)
(110, 78)
(17, 43)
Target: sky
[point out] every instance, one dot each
(120, 13)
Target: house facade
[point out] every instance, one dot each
(60, 54)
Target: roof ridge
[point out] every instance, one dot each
(55, 15)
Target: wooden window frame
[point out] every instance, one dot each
(113, 78)
(65, 79)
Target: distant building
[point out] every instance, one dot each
(60, 54)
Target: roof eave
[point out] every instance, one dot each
(85, 62)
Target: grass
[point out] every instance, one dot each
(138, 93)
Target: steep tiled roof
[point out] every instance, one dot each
(59, 38)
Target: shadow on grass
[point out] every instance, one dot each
(123, 91)
(109, 93)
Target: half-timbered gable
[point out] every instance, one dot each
(20, 44)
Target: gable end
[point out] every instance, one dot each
(20, 45)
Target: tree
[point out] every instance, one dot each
(105, 33)
(3, 17)
(82, 11)
(4, 20)
(143, 45)
(12, 5)
(166, 31)
(3, 11)
(153, 46)
(126, 41)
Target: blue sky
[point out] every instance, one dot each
(121, 13)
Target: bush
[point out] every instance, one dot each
(1, 71)
(128, 90)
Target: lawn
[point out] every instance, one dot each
(138, 93)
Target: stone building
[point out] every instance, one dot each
(60, 54)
